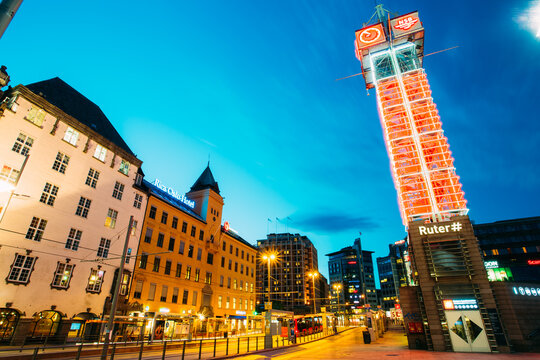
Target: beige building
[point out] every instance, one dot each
(66, 196)
(190, 266)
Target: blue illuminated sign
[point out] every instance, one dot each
(174, 194)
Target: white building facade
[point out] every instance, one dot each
(67, 191)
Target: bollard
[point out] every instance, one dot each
(141, 350)
(34, 356)
(248, 344)
(164, 350)
(215, 347)
(238, 347)
(79, 350)
(256, 343)
(184, 350)
(200, 349)
(227, 348)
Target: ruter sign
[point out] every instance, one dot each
(405, 24)
(369, 36)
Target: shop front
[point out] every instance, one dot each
(9, 319)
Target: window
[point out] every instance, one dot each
(60, 163)
(242, 257)
(152, 292)
(73, 239)
(21, 269)
(184, 227)
(227, 302)
(95, 280)
(235, 284)
(35, 116)
(9, 175)
(223, 261)
(190, 251)
(210, 259)
(138, 201)
(36, 229)
(197, 274)
(234, 303)
(194, 300)
(92, 178)
(174, 298)
(241, 287)
(157, 261)
(228, 283)
(236, 252)
(124, 283)
(221, 280)
(185, 297)
(250, 304)
(164, 290)
(164, 217)
(171, 243)
(83, 207)
(71, 136)
(152, 213)
(118, 191)
(188, 272)
(174, 222)
(181, 247)
(124, 167)
(230, 249)
(224, 246)
(143, 261)
(230, 264)
(148, 236)
(208, 278)
(241, 268)
(235, 266)
(245, 304)
(168, 265)
(219, 301)
(201, 235)
(100, 153)
(103, 249)
(110, 220)
(49, 194)
(23, 144)
(193, 231)
(62, 275)
(138, 289)
(160, 238)
(178, 270)
(199, 254)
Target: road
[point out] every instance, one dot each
(350, 345)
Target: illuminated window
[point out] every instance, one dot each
(157, 262)
(110, 220)
(118, 191)
(9, 175)
(197, 274)
(227, 303)
(124, 167)
(60, 163)
(219, 301)
(234, 303)
(103, 248)
(83, 207)
(73, 239)
(48, 196)
(22, 267)
(71, 136)
(22, 145)
(100, 153)
(36, 229)
(95, 280)
(178, 270)
(62, 275)
(188, 272)
(143, 261)
(92, 178)
(35, 116)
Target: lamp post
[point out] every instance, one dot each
(313, 275)
(337, 289)
(269, 257)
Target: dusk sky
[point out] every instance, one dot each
(252, 85)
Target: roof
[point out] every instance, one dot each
(60, 94)
(237, 237)
(153, 190)
(206, 181)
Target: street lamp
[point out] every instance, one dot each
(337, 288)
(313, 275)
(269, 257)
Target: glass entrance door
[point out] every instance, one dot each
(467, 331)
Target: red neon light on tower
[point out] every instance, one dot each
(391, 53)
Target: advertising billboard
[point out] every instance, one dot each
(405, 24)
(370, 36)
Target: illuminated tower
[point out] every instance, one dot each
(391, 53)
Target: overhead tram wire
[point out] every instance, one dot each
(433, 53)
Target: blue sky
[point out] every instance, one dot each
(252, 85)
